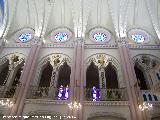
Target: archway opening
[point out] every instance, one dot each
(111, 76)
(64, 75)
(92, 76)
(46, 75)
(3, 73)
(140, 77)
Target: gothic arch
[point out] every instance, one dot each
(148, 64)
(104, 59)
(55, 59)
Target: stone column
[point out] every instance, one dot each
(130, 79)
(82, 82)
(77, 75)
(26, 78)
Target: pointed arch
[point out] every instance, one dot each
(140, 77)
(4, 69)
(46, 75)
(92, 76)
(111, 76)
(64, 75)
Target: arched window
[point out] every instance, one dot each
(111, 76)
(46, 75)
(64, 75)
(140, 77)
(4, 72)
(14, 83)
(92, 76)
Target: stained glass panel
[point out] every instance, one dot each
(100, 37)
(25, 37)
(138, 38)
(61, 37)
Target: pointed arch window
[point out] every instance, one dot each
(64, 75)
(46, 75)
(111, 76)
(92, 76)
(3, 73)
(140, 77)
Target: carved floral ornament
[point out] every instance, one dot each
(13, 58)
(102, 60)
(147, 61)
(56, 60)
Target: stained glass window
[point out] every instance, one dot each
(25, 37)
(61, 37)
(100, 37)
(138, 38)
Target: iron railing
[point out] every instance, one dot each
(9, 92)
(147, 95)
(48, 93)
(105, 94)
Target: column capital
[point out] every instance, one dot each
(122, 41)
(79, 40)
(36, 41)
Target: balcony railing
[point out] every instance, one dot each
(9, 92)
(51, 93)
(147, 95)
(105, 94)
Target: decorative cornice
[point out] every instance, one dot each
(50, 45)
(45, 101)
(106, 103)
(17, 46)
(144, 46)
(100, 46)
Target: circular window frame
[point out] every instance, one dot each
(23, 31)
(141, 32)
(60, 30)
(93, 31)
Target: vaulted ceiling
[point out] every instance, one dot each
(80, 16)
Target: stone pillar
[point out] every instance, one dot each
(26, 78)
(130, 79)
(77, 75)
(82, 82)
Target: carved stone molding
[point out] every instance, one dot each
(144, 46)
(106, 103)
(17, 45)
(102, 46)
(56, 45)
(45, 101)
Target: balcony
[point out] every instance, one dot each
(148, 95)
(50, 93)
(9, 92)
(105, 94)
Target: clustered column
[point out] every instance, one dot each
(130, 79)
(26, 77)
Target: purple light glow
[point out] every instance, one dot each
(63, 93)
(95, 94)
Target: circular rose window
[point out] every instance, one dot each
(61, 35)
(138, 36)
(25, 37)
(99, 35)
